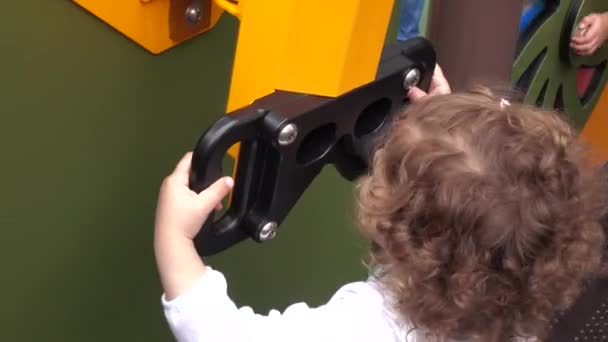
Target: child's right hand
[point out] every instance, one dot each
(593, 33)
(439, 86)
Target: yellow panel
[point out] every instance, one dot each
(260, 49)
(156, 25)
(334, 46)
(314, 47)
(596, 127)
(317, 47)
(259, 52)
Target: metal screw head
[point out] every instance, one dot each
(194, 13)
(288, 134)
(268, 232)
(411, 78)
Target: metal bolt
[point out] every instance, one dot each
(268, 232)
(194, 13)
(288, 134)
(411, 78)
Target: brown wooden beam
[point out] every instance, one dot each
(475, 40)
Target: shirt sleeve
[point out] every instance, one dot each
(205, 313)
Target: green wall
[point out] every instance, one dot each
(90, 124)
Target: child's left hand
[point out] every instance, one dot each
(180, 214)
(593, 33)
(181, 211)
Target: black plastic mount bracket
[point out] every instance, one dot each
(287, 138)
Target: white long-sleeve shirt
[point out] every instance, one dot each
(356, 313)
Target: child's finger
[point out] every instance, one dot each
(585, 47)
(591, 50)
(587, 20)
(580, 52)
(576, 47)
(439, 83)
(586, 52)
(582, 44)
(578, 40)
(439, 77)
(182, 170)
(442, 89)
(214, 194)
(415, 94)
(585, 23)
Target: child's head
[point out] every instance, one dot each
(485, 215)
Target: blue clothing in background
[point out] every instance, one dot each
(409, 20)
(531, 12)
(411, 12)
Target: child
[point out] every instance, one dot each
(484, 218)
(409, 19)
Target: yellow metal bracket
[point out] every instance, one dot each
(158, 25)
(231, 7)
(317, 47)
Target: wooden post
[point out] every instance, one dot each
(475, 40)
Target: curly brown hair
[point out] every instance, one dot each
(485, 217)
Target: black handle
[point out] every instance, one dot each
(240, 127)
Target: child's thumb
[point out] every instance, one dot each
(585, 22)
(415, 94)
(215, 193)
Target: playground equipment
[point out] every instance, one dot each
(304, 93)
(270, 58)
(289, 137)
(550, 72)
(309, 88)
(527, 47)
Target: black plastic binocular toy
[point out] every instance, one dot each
(287, 138)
